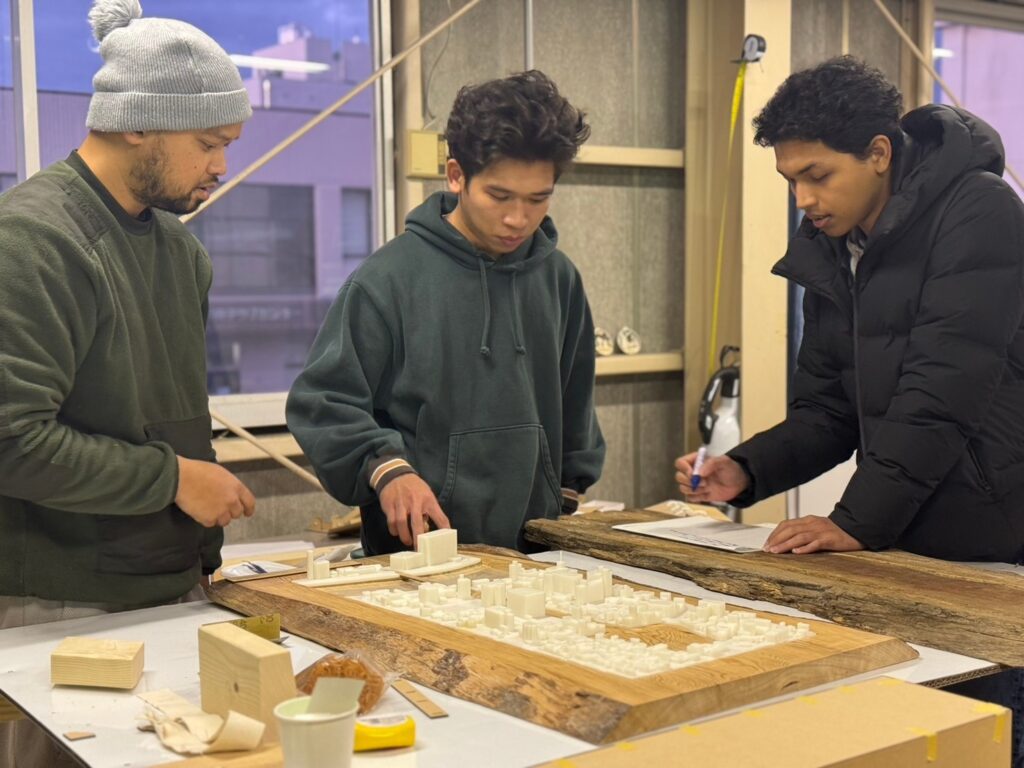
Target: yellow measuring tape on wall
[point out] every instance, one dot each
(753, 50)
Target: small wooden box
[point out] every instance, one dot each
(98, 663)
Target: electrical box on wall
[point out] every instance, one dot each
(426, 155)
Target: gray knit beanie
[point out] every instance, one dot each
(160, 75)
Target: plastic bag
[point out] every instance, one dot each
(352, 664)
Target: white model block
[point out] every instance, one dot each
(531, 632)
(430, 594)
(322, 569)
(526, 603)
(501, 592)
(463, 585)
(580, 593)
(565, 582)
(487, 595)
(310, 565)
(438, 546)
(405, 561)
(494, 617)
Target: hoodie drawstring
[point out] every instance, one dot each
(485, 348)
(517, 324)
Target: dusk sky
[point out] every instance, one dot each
(66, 56)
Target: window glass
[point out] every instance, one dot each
(283, 241)
(979, 64)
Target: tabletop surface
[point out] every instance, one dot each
(471, 734)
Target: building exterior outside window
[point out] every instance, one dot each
(284, 241)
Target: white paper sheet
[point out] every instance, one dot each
(717, 534)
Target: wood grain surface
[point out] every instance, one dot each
(580, 701)
(949, 606)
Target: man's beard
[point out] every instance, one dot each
(147, 185)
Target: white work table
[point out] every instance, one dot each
(471, 734)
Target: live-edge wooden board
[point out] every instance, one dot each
(939, 604)
(580, 701)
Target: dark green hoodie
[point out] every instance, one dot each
(102, 382)
(477, 372)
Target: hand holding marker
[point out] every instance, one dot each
(698, 464)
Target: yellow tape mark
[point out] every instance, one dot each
(737, 101)
(987, 708)
(563, 763)
(693, 730)
(891, 682)
(808, 700)
(932, 742)
(754, 713)
(625, 746)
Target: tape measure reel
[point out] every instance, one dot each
(754, 47)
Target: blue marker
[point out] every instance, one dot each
(697, 466)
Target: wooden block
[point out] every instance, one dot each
(269, 756)
(427, 706)
(96, 662)
(882, 722)
(241, 671)
(79, 735)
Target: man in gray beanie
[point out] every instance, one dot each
(110, 497)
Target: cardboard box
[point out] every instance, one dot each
(875, 724)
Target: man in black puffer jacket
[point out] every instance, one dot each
(912, 256)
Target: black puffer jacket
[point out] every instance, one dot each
(917, 361)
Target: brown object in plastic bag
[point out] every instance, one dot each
(352, 665)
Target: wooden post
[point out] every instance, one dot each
(714, 35)
(765, 222)
(408, 96)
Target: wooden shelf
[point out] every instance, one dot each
(630, 365)
(635, 157)
(234, 449)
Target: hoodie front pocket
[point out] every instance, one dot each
(162, 542)
(495, 480)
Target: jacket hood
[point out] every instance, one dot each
(427, 222)
(941, 144)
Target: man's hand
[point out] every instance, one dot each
(721, 479)
(810, 534)
(211, 495)
(408, 501)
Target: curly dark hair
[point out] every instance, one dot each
(520, 117)
(843, 103)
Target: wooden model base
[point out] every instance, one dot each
(576, 700)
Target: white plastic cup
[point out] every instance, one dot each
(318, 740)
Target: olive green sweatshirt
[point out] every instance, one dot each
(102, 382)
(476, 373)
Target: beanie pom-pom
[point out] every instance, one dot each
(107, 15)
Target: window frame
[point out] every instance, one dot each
(984, 14)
